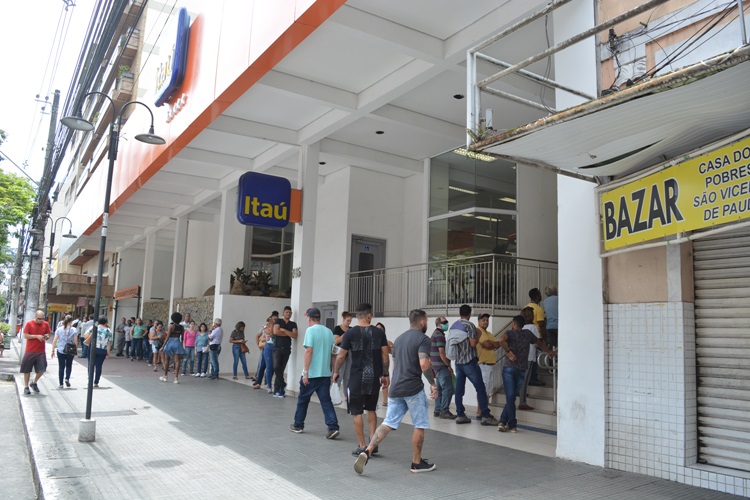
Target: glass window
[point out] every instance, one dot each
(270, 258)
(472, 185)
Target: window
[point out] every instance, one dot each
(472, 207)
(270, 250)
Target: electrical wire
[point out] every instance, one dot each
(548, 70)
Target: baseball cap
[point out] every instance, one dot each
(313, 312)
(483, 315)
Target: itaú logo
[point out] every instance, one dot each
(264, 200)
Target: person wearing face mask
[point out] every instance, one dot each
(441, 365)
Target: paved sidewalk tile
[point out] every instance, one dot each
(219, 439)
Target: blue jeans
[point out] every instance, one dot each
(202, 361)
(137, 348)
(471, 371)
(268, 357)
(101, 355)
(214, 358)
(513, 382)
(189, 356)
(444, 383)
(322, 387)
(238, 355)
(260, 371)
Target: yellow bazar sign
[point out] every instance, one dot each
(705, 191)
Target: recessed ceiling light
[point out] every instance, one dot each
(458, 96)
(321, 163)
(379, 132)
(473, 155)
(462, 190)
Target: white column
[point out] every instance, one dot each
(581, 417)
(178, 262)
(231, 241)
(148, 267)
(303, 260)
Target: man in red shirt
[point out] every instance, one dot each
(36, 332)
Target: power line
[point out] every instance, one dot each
(19, 168)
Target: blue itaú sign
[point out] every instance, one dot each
(172, 70)
(264, 200)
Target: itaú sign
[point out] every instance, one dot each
(171, 71)
(267, 200)
(708, 190)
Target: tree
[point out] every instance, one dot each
(16, 203)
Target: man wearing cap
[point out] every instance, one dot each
(316, 375)
(441, 365)
(486, 348)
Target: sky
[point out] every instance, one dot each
(27, 38)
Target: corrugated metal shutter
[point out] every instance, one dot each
(722, 322)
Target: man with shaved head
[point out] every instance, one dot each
(36, 333)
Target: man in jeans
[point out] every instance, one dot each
(284, 330)
(316, 375)
(443, 371)
(467, 366)
(516, 343)
(214, 347)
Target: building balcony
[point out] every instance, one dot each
(80, 285)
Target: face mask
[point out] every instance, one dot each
(444, 327)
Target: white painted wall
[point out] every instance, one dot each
(202, 252)
(162, 275)
(414, 218)
(253, 311)
(130, 274)
(581, 396)
(537, 213)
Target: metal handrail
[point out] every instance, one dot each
(457, 259)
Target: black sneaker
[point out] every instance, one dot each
(332, 434)
(67, 383)
(296, 430)
(359, 464)
(375, 451)
(34, 387)
(26, 391)
(463, 419)
(358, 451)
(423, 466)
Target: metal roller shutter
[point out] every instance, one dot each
(722, 336)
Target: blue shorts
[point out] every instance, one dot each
(174, 347)
(417, 407)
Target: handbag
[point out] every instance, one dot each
(71, 349)
(335, 394)
(244, 349)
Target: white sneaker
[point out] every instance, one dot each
(203, 375)
(176, 381)
(163, 379)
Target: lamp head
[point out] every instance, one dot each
(70, 235)
(78, 123)
(150, 138)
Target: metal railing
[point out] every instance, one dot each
(491, 282)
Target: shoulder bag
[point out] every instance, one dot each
(244, 349)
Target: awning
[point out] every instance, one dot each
(640, 127)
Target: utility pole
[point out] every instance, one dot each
(35, 268)
(15, 283)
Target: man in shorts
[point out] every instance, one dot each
(411, 353)
(36, 333)
(369, 371)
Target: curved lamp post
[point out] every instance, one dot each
(87, 431)
(49, 260)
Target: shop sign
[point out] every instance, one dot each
(132, 292)
(708, 190)
(264, 200)
(59, 308)
(171, 71)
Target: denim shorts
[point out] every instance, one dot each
(417, 407)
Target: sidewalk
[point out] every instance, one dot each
(216, 439)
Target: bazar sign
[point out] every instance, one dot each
(704, 191)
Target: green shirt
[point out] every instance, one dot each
(320, 339)
(138, 331)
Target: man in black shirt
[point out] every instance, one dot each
(369, 371)
(284, 330)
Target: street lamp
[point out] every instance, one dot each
(49, 260)
(87, 430)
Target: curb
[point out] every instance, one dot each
(34, 466)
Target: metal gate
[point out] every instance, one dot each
(722, 336)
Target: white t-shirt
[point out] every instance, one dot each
(532, 349)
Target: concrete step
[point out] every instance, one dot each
(535, 418)
(538, 403)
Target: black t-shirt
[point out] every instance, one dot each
(284, 342)
(407, 373)
(365, 344)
